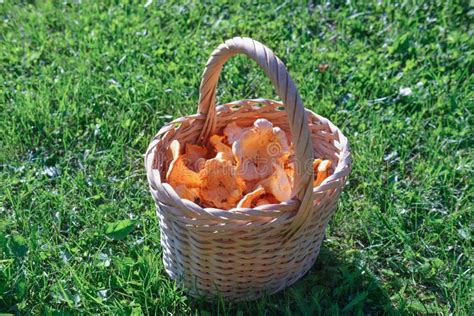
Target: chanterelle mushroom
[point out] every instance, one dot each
(195, 156)
(278, 183)
(258, 149)
(234, 132)
(251, 197)
(179, 176)
(220, 186)
(218, 143)
(322, 167)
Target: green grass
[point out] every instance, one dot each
(84, 86)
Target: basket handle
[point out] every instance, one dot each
(276, 71)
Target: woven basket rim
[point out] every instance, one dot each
(268, 210)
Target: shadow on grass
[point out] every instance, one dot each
(332, 286)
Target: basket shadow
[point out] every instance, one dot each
(332, 286)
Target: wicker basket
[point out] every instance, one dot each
(245, 253)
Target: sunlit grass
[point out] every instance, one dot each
(85, 85)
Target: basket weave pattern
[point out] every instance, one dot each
(245, 253)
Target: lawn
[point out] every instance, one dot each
(85, 85)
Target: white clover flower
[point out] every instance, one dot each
(405, 92)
